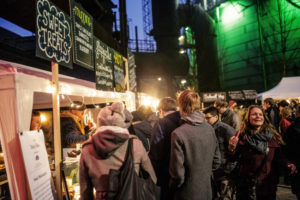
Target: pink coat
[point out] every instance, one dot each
(104, 151)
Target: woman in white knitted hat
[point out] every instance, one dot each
(106, 150)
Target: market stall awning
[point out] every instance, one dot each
(288, 87)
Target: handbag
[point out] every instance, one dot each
(125, 184)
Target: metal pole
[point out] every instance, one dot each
(123, 26)
(136, 40)
(261, 45)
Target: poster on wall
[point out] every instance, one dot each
(83, 36)
(53, 34)
(213, 96)
(131, 71)
(36, 164)
(103, 66)
(119, 72)
(236, 95)
(250, 94)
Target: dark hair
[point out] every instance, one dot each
(298, 111)
(188, 102)
(77, 105)
(167, 104)
(283, 103)
(220, 103)
(36, 113)
(212, 110)
(246, 126)
(269, 101)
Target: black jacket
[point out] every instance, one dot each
(143, 130)
(292, 140)
(160, 149)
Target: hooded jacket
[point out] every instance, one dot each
(194, 154)
(106, 150)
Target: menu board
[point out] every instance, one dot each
(83, 36)
(119, 72)
(236, 95)
(36, 164)
(213, 96)
(103, 66)
(250, 94)
(131, 71)
(53, 34)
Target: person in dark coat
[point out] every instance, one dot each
(227, 115)
(272, 111)
(73, 130)
(223, 181)
(259, 154)
(140, 127)
(161, 143)
(194, 152)
(292, 150)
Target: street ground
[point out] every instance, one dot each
(284, 193)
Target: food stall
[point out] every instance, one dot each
(22, 89)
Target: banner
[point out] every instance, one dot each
(36, 164)
(236, 95)
(103, 66)
(213, 96)
(53, 34)
(83, 36)
(119, 72)
(131, 71)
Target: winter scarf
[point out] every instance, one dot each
(259, 141)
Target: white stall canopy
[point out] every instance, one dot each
(288, 87)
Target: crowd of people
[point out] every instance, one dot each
(193, 153)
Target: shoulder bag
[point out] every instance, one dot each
(125, 184)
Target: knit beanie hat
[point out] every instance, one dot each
(112, 115)
(231, 103)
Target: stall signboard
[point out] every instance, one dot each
(236, 95)
(83, 36)
(131, 71)
(36, 164)
(250, 94)
(103, 66)
(119, 72)
(213, 96)
(53, 34)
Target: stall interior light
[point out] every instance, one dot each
(43, 118)
(231, 12)
(50, 89)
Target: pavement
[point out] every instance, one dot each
(284, 193)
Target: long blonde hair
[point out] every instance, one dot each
(246, 126)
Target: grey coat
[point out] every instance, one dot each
(232, 119)
(194, 154)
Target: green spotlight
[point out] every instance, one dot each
(231, 12)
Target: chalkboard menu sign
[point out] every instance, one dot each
(119, 72)
(213, 96)
(236, 95)
(83, 36)
(53, 34)
(250, 94)
(103, 66)
(131, 70)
